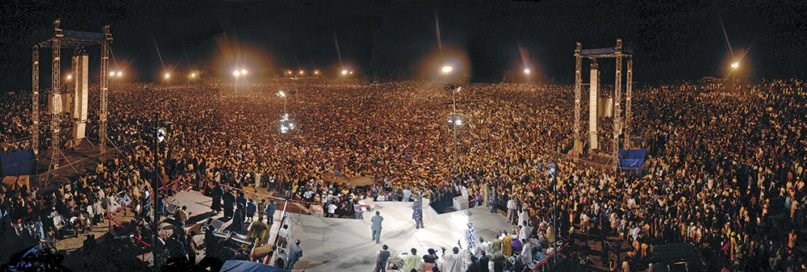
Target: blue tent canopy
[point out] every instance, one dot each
(631, 159)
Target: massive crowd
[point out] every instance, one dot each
(724, 170)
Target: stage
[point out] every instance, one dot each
(335, 244)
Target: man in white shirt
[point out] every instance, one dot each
(511, 209)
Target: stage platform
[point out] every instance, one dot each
(334, 244)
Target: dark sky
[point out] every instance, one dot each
(672, 40)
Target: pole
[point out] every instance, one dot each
(578, 85)
(104, 82)
(154, 186)
(35, 101)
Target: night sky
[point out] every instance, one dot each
(672, 40)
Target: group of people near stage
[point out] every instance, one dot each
(724, 169)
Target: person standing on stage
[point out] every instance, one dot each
(417, 212)
(270, 212)
(376, 227)
(470, 235)
(229, 201)
(217, 193)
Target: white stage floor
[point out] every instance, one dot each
(331, 244)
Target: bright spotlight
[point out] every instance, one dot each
(458, 122)
(281, 94)
(735, 65)
(69, 77)
(302, 72)
(112, 73)
(527, 71)
(119, 74)
(167, 76)
(316, 72)
(344, 72)
(447, 69)
(236, 73)
(289, 72)
(351, 72)
(244, 71)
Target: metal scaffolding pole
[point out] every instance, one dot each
(628, 94)
(35, 100)
(617, 101)
(56, 88)
(578, 82)
(102, 113)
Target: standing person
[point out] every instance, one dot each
(493, 200)
(270, 212)
(217, 193)
(381, 261)
(251, 209)
(295, 253)
(484, 261)
(262, 208)
(454, 262)
(412, 262)
(406, 194)
(229, 201)
(376, 227)
(257, 231)
(470, 236)
(417, 212)
(511, 209)
(283, 236)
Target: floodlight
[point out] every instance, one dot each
(120, 74)
(167, 76)
(236, 73)
(69, 77)
(447, 69)
(735, 65)
(527, 71)
(244, 71)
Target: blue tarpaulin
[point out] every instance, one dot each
(17, 163)
(242, 266)
(631, 159)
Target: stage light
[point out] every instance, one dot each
(351, 72)
(281, 94)
(119, 74)
(302, 72)
(344, 72)
(167, 76)
(527, 71)
(735, 65)
(236, 73)
(244, 71)
(111, 73)
(447, 69)
(316, 72)
(289, 72)
(69, 77)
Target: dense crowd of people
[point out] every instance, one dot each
(724, 169)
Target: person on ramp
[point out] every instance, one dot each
(417, 212)
(376, 227)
